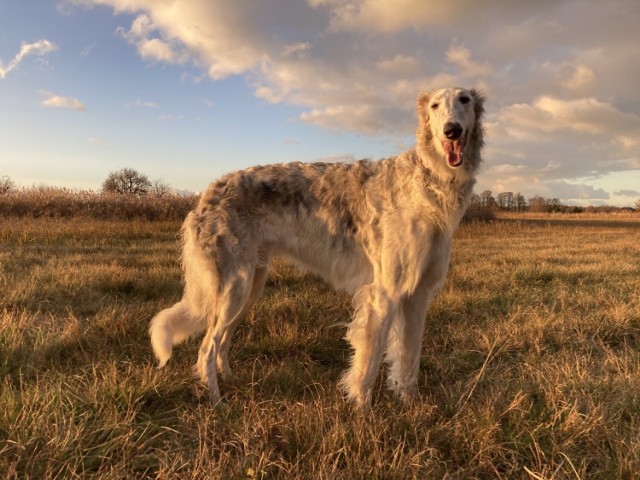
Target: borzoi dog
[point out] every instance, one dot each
(381, 230)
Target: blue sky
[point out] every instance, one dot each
(186, 90)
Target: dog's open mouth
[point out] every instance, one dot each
(453, 150)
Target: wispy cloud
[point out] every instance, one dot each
(39, 48)
(151, 47)
(628, 193)
(86, 51)
(298, 48)
(142, 103)
(56, 101)
(99, 142)
(169, 117)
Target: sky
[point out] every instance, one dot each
(187, 90)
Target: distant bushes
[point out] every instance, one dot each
(479, 213)
(55, 202)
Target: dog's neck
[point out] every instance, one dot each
(454, 187)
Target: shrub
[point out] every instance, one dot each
(479, 213)
(6, 184)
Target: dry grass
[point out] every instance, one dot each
(530, 367)
(55, 202)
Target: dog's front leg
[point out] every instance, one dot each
(368, 335)
(405, 341)
(405, 336)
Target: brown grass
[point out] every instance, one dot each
(530, 366)
(55, 202)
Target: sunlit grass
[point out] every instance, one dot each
(530, 365)
(56, 202)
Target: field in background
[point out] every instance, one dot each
(530, 365)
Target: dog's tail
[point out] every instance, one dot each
(170, 326)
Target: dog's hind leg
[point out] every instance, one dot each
(231, 298)
(259, 279)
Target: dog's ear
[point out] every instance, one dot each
(478, 103)
(477, 135)
(421, 105)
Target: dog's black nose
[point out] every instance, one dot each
(452, 130)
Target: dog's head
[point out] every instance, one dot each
(450, 130)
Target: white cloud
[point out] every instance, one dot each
(346, 117)
(461, 57)
(151, 48)
(39, 48)
(221, 37)
(56, 101)
(586, 115)
(156, 49)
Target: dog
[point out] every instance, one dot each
(380, 230)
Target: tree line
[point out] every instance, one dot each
(516, 202)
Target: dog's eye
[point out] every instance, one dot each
(464, 99)
(434, 106)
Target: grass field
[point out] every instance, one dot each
(530, 365)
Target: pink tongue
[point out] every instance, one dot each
(454, 155)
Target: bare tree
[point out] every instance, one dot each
(487, 199)
(506, 201)
(501, 200)
(537, 204)
(637, 205)
(521, 202)
(160, 188)
(6, 184)
(127, 181)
